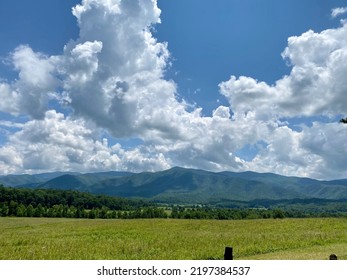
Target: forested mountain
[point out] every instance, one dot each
(31, 180)
(35, 180)
(190, 186)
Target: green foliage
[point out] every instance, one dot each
(278, 214)
(73, 204)
(60, 203)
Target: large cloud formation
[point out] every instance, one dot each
(315, 87)
(109, 84)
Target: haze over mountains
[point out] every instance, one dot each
(180, 185)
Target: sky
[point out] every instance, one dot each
(146, 85)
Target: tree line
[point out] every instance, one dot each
(48, 198)
(180, 212)
(17, 202)
(63, 203)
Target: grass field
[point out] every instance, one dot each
(54, 238)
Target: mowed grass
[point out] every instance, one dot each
(168, 239)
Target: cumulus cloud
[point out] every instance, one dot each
(117, 65)
(10, 99)
(110, 81)
(318, 152)
(30, 93)
(112, 76)
(61, 143)
(129, 93)
(315, 86)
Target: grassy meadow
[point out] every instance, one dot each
(80, 239)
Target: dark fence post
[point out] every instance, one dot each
(228, 253)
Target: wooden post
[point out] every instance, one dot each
(228, 253)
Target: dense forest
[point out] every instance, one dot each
(18, 202)
(61, 203)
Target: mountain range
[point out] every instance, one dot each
(187, 186)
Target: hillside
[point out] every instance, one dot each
(180, 185)
(26, 180)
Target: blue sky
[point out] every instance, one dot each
(235, 37)
(145, 85)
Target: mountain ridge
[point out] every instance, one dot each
(183, 185)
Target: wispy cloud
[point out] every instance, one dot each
(11, 124)
(338, 11)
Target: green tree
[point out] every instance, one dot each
(92, 214)
(278, 214)
(39, 211)
(30, 211)
(21, 210)
(174, 213)
(103, 212)
(50, 212)
(12, 208)
(71, 213)
(78, 213)
(4, 210)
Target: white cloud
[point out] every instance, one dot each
(10, 160)
(338, 11)
(315, 86)
(112, 75)
(112, 79)
(10, 124)
(9, 99)
(34, 68)
(60, 143)
(128, 91)
(318, 152)
(116, 65)
(81, 64)
(222, 112)
(30, 93)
